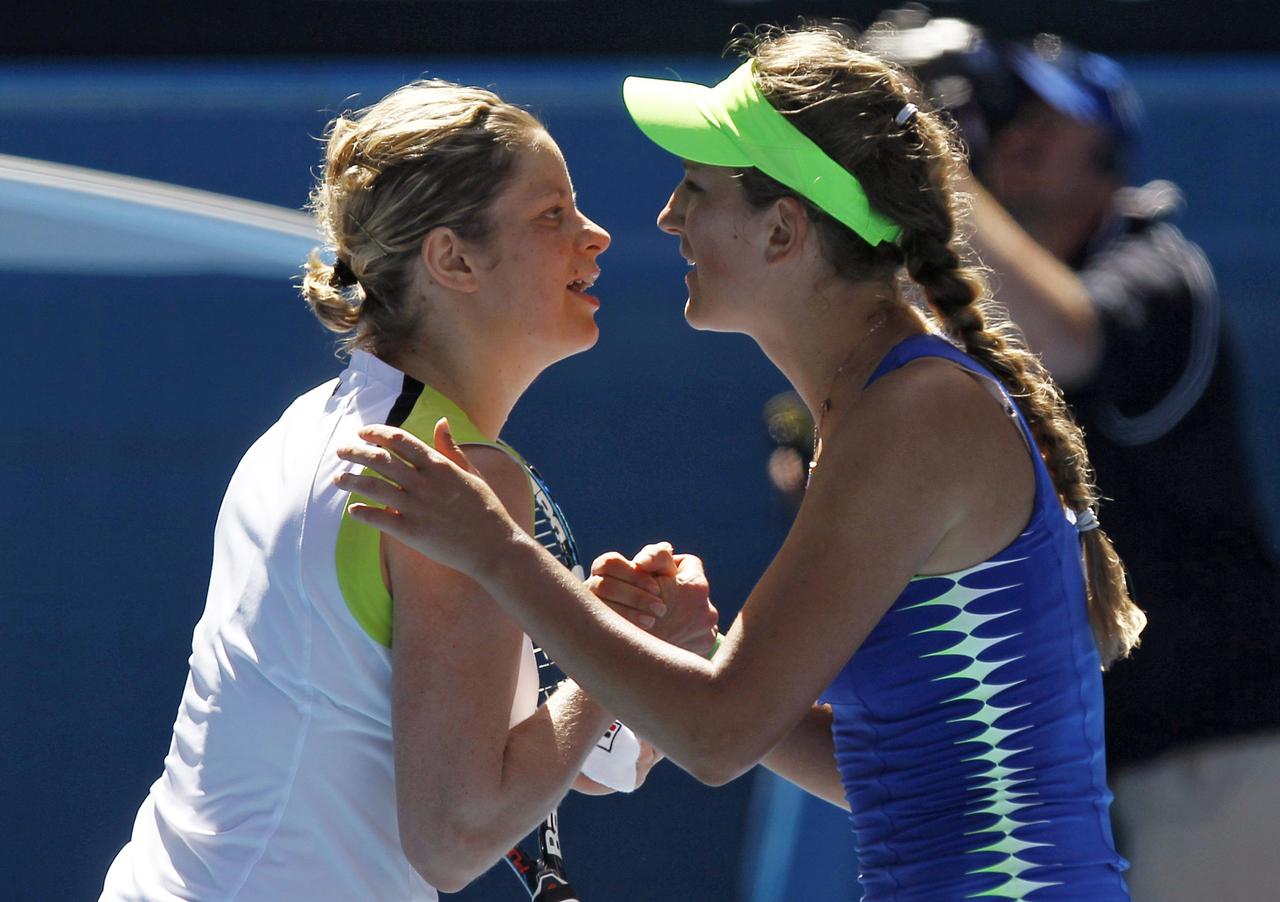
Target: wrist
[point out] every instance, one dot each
(716, 638)
(504, 562)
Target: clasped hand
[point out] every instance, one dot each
(660, 591)
(434, 500)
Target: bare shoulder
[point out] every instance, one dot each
(508, 479)
(410, 572)
(882, 498)
(927, 413)
(434, 601)
(938, 408)
(951, 438)
(930, 433)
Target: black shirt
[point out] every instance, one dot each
(1161, 420)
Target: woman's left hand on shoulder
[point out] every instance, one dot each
(433, 500)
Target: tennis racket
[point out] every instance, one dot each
(544, 876)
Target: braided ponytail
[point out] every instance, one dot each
(955, 293)
(848, 103)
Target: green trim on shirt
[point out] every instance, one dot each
(358, 551)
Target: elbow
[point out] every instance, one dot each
(445, 871)
(448, 857)
(715, 756)
(714, 773)
(719, 741)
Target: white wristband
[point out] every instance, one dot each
(614, 760)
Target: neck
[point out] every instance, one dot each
(485, 385)
(840, 333)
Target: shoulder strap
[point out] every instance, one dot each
(917, 346)
(929, 345)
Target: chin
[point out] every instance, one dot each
(698, 318)
(584, 340)
(590, 340)
(692, 315)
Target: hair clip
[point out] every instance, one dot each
(906, 114)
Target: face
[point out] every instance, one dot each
(1050, 173)
(713, 220)
(540, 261)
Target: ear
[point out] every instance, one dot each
(448, 260)
(787, 228)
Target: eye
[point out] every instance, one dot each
(554, 213)
(691, 186)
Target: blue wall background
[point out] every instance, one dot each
(131, 399)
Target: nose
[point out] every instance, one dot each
(671, 220)
(595, 238)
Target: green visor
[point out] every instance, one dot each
(733, 124)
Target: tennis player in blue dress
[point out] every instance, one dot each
(926, 648)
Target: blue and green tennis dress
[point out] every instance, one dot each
(279, 783)
(968, 726)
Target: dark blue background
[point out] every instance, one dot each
(131, 398)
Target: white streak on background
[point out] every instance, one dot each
(65, 219)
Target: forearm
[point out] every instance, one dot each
(545, 752)
(806, 757)
(458, 832)
(666, 694)
(1044, 297)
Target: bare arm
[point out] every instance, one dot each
(468, 783)
(1042, 294)
(807, 757)
(854, 546)
(915, 477)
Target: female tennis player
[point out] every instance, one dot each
(359, 721)
(933, 590)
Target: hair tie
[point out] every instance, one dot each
(343, 275)
(906, 114)
(1086, 520)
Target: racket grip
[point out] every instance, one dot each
(613, 761)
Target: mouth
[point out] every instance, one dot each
(581, 286)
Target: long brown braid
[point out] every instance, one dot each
(848, 102)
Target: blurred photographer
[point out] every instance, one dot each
(1124, 312)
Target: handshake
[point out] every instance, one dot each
(662, 592)
(668, 595)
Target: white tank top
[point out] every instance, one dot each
(279, 783)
